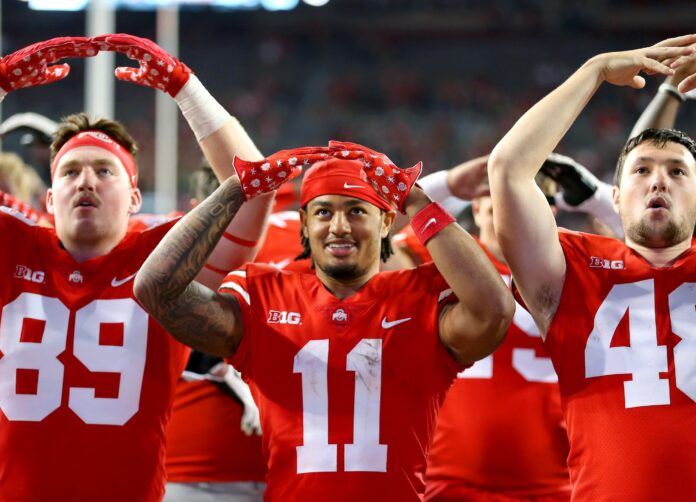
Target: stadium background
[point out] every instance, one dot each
(433, 80)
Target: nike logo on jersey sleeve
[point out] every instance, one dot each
(390, 324)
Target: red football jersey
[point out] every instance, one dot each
(624, 347)
(86, 376)
(204, 440)
(283, 243)
(501, 429)
(348, 390)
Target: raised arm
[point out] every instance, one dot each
(192, 313)
(524, 223)
(662, 111)
(476, 324)
(220, 136)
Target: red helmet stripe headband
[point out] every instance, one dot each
(105, 142)
(339, 177)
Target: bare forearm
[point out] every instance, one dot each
(164, 282)
(481, 292)
(661, 113)
(526, 146)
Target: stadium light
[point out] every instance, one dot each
(274, 5)
(316, 3)
(58, 5)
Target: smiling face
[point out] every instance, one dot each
(656, 196)
(91, 198)
(345, 235)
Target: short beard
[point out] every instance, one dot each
(641, 233)
(343, 272)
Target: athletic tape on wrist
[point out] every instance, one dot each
(201, 110)
(429, 221)
(436, 186)
(672, 90)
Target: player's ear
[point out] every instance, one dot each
(303, 222)
(615, 197)
(388, 218)
(136, 201)
(49, 201)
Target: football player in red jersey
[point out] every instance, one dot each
(616, 318)
(500, 433)
(86, 376)
(347, 365)
(207, 455)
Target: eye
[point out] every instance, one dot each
(322, 211)
(640, 170)
(678, 171)
(70, 172)
(357, 210)
(104, 171)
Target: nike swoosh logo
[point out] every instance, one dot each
(431, 221)
(390, 324)
(281, 264)
(346, 185)
(115, 282)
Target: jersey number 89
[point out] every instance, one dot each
(128, 359)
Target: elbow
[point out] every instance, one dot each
(494, 328)
(499, 162)
(143, 291)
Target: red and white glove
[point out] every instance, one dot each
(158, 69)
(8, 200)
(30, 66)
(390, 182)
(268, 174)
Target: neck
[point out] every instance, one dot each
(82, 251)
(660, 257)
(344, 288)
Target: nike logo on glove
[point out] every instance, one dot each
(390, 324)
(115, 282)
(430, 222)
(346, 185)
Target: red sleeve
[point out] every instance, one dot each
(236, 284)
(438, 286)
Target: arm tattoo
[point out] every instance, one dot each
(165, 284)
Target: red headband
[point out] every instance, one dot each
(105, 142)
(339, 177)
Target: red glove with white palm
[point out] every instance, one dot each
(268, 174)
(389, 181)
(158, 69)
(29, 67)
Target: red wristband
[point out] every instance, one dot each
(429, 221)
(237, 240)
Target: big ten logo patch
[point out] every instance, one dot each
(283, 317)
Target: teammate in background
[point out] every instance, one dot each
(662, 111)
(208, 457)
(348, 384)
(500, 433)
(616, 318)
(86, 376)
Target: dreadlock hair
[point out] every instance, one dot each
(385, 252)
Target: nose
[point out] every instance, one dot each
(339, 224)
(658, 183)
(86, 179)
